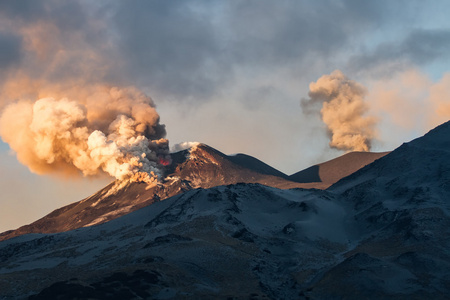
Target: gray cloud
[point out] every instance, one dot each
(423, 46)
(195, 48)
(57, 41)
(27, 9)
(168, 44)
(419, 47)
(67, 15)
(11, 52)
(283, 31)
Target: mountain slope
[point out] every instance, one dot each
(254, 164)
(116, 199)
(333, 170)
(241, 241)
(199, 167)
(401, 204)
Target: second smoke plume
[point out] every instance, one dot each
(340, 102)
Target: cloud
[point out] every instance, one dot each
(187, 51)
(440, 99)
(11, 50)
(59, 42)
(419, 47)
(408, 104)
(402, 99)
(169, 44)
(195, 50)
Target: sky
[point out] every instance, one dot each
(257, 77)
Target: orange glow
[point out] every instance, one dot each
(163, 161)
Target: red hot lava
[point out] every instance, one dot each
(163, 161)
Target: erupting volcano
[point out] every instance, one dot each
(219, 226)
(102, 130)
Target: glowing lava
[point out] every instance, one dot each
(163, 161)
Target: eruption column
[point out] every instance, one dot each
(116, 131)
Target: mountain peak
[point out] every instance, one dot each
(438, 137)
(203, 166)
(414, 164)
(197, 166)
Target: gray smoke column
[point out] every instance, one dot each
(107, 129)
(342, 108)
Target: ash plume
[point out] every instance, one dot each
(107, 129)
(340, 102)
(65, 105)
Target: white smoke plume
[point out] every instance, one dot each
(183, 146)
(341, 104)
(108, 129)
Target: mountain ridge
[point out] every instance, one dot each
(200, 166)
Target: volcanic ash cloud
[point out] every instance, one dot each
(340, 102)
(116, 131)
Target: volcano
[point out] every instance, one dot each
(200, 166)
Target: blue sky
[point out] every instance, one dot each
(230, 74)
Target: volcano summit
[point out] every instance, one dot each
(197, 167)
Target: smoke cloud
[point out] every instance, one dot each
(102, 129)
(64, 107)
(341, 104)
(183, 146)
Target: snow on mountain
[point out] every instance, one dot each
(236, 240)
(380, 233)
